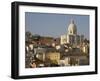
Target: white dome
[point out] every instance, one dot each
(72, 29)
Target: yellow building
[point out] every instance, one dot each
(85, 49)
(54, 57)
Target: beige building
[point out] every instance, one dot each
(48, 56)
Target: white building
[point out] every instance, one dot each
(63, 39)
(71, 36)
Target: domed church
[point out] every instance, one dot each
(72, 29)
(72, 37)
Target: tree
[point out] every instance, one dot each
(36, 37)
(28, 36)
(86, 41)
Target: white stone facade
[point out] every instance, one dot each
(72, 37)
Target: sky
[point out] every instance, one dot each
(55, 25)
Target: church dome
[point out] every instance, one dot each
(72, 29)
